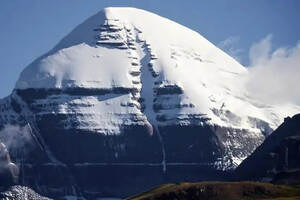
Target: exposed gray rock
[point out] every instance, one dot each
(20, 193)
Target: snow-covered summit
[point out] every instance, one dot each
(79, 61)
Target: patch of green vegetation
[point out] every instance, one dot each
(221, 190)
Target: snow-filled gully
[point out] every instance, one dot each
(147, 95)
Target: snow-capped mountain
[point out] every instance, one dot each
(130, 88)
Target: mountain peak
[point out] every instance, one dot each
(129, 91)
(129, 67)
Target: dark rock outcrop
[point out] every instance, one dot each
(289, 177)
(279, 152)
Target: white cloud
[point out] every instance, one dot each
(261, 51)
(229, 45)
(274, 75)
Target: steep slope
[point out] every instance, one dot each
(131, 93)
(279, 152)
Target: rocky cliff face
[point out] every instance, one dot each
(129, 100)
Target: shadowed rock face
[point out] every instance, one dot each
(290, 177)
(138, 142)
(84, 162)
(279, 152)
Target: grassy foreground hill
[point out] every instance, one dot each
(221, 191)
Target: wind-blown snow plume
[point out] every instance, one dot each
(16, 137)
(229, 45)
(274, 75)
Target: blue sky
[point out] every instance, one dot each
(30, 28)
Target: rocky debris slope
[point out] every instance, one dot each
(20, 193)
